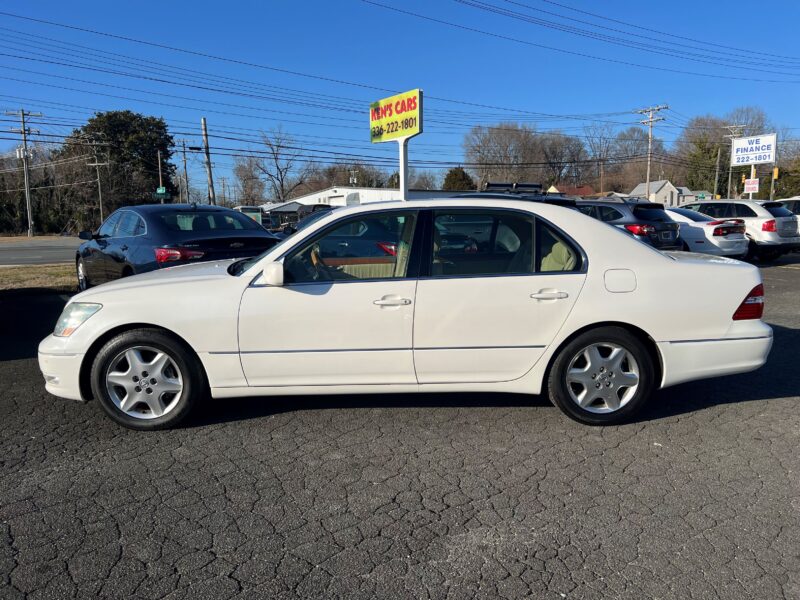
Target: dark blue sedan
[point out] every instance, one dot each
(137, 239)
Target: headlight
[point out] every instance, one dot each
(74, 315)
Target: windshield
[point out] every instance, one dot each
(241, 266)
(312, 218)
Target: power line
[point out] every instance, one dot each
(570, 52)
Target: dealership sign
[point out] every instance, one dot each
(751, 186)
(396, 117)
(754, 150)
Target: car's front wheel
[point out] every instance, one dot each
(602, 377)
(146, 379)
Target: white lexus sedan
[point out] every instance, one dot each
(447, 295)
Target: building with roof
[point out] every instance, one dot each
(661, 191)
(347, 195)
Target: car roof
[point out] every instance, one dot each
(152, 209)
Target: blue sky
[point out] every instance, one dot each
(546, 70)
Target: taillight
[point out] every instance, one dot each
(751, 307)
(164, 255)
(769, 226)
(728, 229)
(637, 229)
(389, 247)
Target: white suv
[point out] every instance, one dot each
(770, 227)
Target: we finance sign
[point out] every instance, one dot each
(754, 150)
(396, 117)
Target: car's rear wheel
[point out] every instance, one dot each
(83, 277)
(146, 379)
(603, 376)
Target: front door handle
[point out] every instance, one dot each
(392, 301)
(124, 247)
(549, 295)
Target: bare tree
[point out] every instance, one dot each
(281, 164)
(599, 142)
(563, 155)
(251, 186)
(507, 152)
(425, 180)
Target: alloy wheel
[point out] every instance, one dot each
(602, 377)
(144, 382)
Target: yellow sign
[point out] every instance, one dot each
(396, 117)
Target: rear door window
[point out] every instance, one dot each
(471, 243)
(718, 210)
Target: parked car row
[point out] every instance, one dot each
(139, 239)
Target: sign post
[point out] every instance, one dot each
(397, 118)
(753, 150)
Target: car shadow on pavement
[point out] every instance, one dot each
(777, 379)
(27, 316)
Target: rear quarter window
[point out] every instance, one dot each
(742, 210)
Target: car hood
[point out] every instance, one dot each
(200, 272)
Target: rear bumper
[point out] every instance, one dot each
(60, 371)
(690, 360)
(781, 244)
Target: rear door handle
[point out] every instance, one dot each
(549, 295)
(392, 301)
(123, 247)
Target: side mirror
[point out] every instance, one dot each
(85, 235)
(289, 230)
(273, 274)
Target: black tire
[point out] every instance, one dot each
(189, 369)
(769, 255)
(559, 389)
(83, 281)
(752, 251)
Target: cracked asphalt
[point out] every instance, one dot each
(436, 496)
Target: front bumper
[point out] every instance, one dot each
(61, 370)
(700, 359)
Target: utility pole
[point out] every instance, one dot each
(716, 173)
(185, 172)
(96, 164)
(25, 131)
(735, 131)
(160, 180)
(224, 199)
(212, 196)
(650, 111)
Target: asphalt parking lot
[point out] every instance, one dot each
(436, 496)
